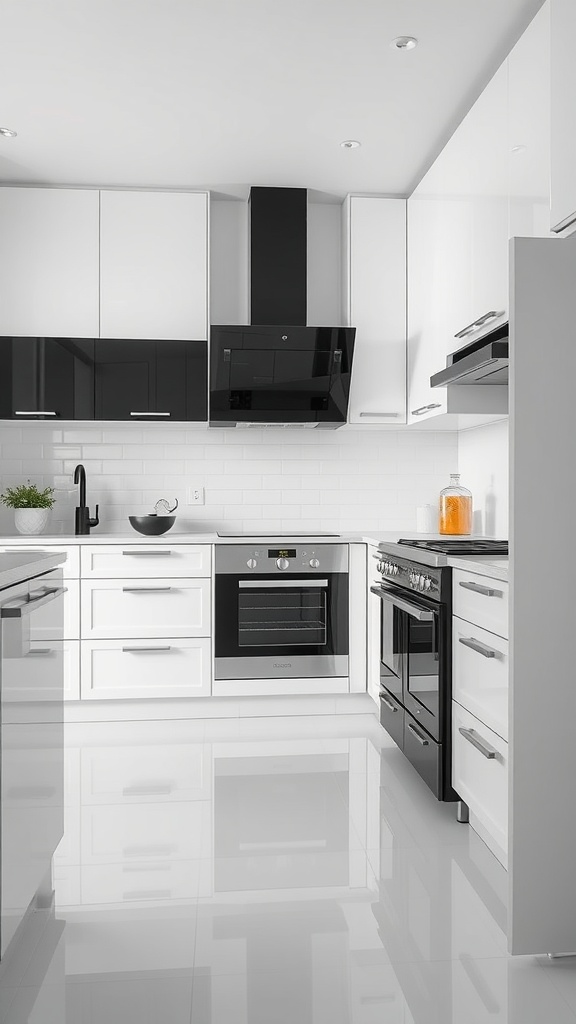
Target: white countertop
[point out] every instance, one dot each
(179, 538)
(20, 566)
(495, 566)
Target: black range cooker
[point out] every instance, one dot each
(415, 592)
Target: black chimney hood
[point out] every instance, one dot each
(277, 371)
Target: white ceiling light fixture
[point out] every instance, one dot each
(350, 144)
(8, 133)
(404, 43)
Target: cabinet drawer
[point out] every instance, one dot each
(136, 833)
(424, 753)
(123, 883)
(145, 608)
(144, 561)
(139, 774)
(480, 674)
(481, 600)
(114, 670)
(481, 780)
(392, 718)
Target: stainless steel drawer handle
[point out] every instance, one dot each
(485, 749)
(389, 704)
(146, 590)
(492, 315)
(151, 789)
(479, 589)
(40, 652)
(425, 408)
(475, 645)
(421, 740)
(150, 413)
(34, 412)
(17, 609)
(146, 554)
(279, 584)
(144, 650)
(390, 415)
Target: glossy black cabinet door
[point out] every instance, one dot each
(151, 380)
(47, 378)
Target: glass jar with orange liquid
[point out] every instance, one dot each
(455, 512)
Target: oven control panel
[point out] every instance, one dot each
(245, 559)
(407, 574)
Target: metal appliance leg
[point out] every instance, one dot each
(462, 812)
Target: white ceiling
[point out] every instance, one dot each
(224, 94)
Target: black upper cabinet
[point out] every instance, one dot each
(87, 379)
(47, 378)
(150, 380)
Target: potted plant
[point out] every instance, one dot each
(31, 506)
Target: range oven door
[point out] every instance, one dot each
(411, 653)
(271, 627)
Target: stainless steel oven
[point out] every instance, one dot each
(415, 666)
(281, 612)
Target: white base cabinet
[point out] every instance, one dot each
(155, 607)
(480, 774)
(117, 669)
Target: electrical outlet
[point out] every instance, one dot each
(195, 496)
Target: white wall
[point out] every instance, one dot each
(284, 479)
(483, 464)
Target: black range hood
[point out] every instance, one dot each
(276, 371)
(483, 361)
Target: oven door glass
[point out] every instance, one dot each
(423, 666)
(265, 616)
(391, 661)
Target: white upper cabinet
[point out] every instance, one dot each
(375, 304)
(154, 265)
(563, 104)
(529, 129)
(458, 257)
(49, 262)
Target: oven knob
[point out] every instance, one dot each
(396, 569)
(427, 583)
(282, 563)
(380, 566)
(251, 563)
(314, 562)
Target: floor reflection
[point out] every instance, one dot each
(256, 871)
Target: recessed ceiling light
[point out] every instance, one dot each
(350, 144)
(404, 43)
(8, 133)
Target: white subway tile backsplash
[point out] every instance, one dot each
(268, 480)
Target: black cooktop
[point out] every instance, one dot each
(473, 546)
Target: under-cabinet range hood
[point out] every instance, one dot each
(482, 361)
(276, 371)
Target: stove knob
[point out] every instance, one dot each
(396, 570)
(422, 582)
(251, 563)
(427, 583)
(314, 563)
(282, 563)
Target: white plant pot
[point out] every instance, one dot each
(31, 520)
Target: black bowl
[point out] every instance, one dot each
(152, 526)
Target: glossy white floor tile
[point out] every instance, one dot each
(258, 871)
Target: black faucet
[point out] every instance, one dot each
(83, 522)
